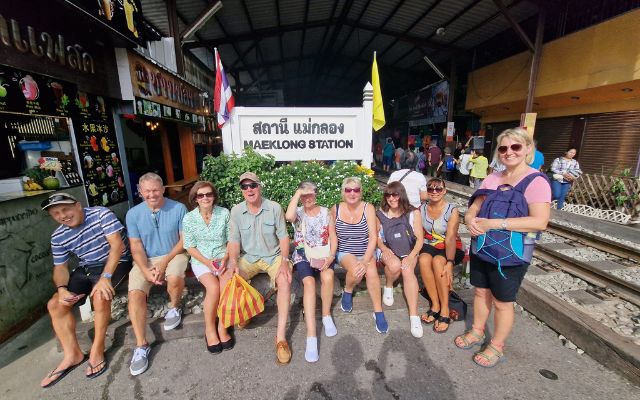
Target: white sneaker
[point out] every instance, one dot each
(140, 360)
(416, 326)
(387, 296)
(172, 319)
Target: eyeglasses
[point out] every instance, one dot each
(435, 189)
(201, 196)
(154, 217)
(393, 194)
(246, 186)
(514, 147)
(354, 190)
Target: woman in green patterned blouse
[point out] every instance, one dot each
(205, 230)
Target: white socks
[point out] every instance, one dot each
(329, 327)
(311, 354)
(387, 296)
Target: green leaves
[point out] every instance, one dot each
(281, 181)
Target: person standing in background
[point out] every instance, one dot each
(565, 170)
(434, 157)
(387, 155)
(479, 170)
(538, 158)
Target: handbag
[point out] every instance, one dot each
(457, 307)
(316, 255)
(239, 302)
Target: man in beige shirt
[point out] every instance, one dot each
(259, 243)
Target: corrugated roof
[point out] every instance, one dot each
(308, 45)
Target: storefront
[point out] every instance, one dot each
(58, 82)
(163, 120)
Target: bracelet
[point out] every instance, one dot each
(62, 286)
(451, 261)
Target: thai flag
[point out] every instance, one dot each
(223, 101)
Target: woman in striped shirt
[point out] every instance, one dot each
(355, 228)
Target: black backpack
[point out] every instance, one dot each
(397, 233)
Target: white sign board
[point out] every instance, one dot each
(296, 133)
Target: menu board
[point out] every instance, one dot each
(99, 155)
(152, 109)
(29, 93)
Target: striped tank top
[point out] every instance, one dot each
(352, 238)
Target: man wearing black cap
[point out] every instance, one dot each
(257, 229)
(94, 236)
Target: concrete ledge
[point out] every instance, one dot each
(600, 342)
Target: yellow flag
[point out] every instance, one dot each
(378, 108)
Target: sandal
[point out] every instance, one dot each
(467, 344)
(430, 313)
(104, 364)
(492, 359)
(63, 372)
(442, 320)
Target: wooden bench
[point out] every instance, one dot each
(182, 184)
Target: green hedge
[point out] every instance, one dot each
(281, 182)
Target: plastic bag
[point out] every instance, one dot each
(239, 302)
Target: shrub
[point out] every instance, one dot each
(281, 182)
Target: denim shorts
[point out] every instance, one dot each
(340, 255)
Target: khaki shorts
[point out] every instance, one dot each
(249, 270)
(176, 267)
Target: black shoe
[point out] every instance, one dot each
(214, 348)
(228, 345)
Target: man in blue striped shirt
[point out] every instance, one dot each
(94, 236)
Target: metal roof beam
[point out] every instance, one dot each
(259, 34)
(235, 48)
(259, 55)
(514, 24)
(373, 37)
(413, 25)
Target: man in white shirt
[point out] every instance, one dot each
(414, 183)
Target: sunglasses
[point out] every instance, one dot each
(435, 189)
(393, 194)
(245, 186)
(201, 196)
(514, 147)
(354, 190)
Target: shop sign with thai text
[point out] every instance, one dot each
(151, 82)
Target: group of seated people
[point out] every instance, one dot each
(414, 225)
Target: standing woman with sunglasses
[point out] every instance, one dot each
(441, 250)
(206, 230)
(495, 285)
(313, 234)
(355, 228)
(400, 241)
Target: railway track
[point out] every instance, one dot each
(584, 286)
(597, 273)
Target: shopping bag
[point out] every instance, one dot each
(457, 307)
(239, 302)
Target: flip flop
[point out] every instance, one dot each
(442, 320)
(96, 374)
(62, 373)
(430, 313)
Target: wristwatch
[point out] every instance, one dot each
(451, 261)
(107, 275)
(503, 225)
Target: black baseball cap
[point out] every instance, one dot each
(58, 198)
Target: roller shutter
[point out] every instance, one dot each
(611, 143)
(553, 136)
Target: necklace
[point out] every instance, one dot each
(352, 217)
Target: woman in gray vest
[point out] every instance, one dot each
(400, 241)
(441, 250)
